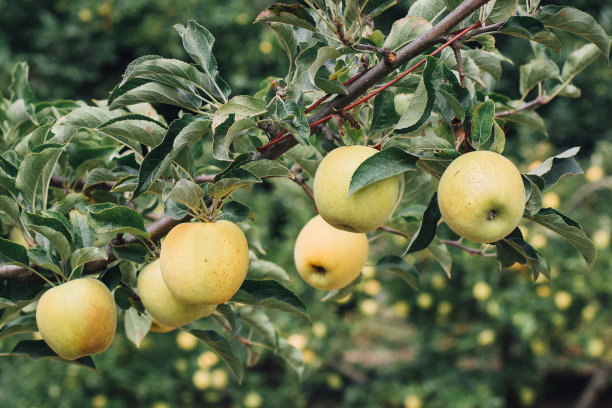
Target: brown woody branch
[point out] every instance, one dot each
(536, 103)
(456, 47)
(381, 70)
(356, 88)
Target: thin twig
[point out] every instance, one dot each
(596, 385)
(471, 251)
(537, 102)
(456, 47)
(298, 177)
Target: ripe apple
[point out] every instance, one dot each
(328, 258)
(157, 327)
(77, 318)
(481, 196)
(363, 211)
(204, 262)
(161, 304)
(17, 237)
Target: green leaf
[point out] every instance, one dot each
(528, 118)
(292, 119)
(187, 193)
(531, 29)
(330, 86)
(10, 207)
(535, 71)
(427, 231)
(224, 137)
(482, 123)
(381, 165)
(12, 253)
(499, 137)
(439, 250)
(555, 168)
(44, 260)
(286, 38)
(36, 349)
(83, 255)
(384, 115)
(136, 325)
(568, 229)
(513, 248)
(396, 265)
(260, 322)
(405, 30)
(421, 103)
(22, 324)
(242, 106)
(52, 228)
(292, 14)
(161, 156)
(35, 173)
(83, 233)
(323, 54)
(374, 7)
(260, 269)
(234, 212)
(111, 218)
(134, 127)
(534, 196)
(138, 91)
(198, 42)
(232, 316)
(428, 9)
(578, 60)
(499, 10)
(267, 168)
(226, 186)
(19, 87)
(271, 294)
(453, 99)
(221, 346)
(485, 61)
(576, 22)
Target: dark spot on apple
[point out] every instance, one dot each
(457, 172)
(492, 215)
(318, 269)
(347, 227)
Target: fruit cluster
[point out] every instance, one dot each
(203, 264)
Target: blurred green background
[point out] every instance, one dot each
(485, 338)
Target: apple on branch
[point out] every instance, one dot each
(366, 209)
(77, 318)
(481, 196)
(329, 258)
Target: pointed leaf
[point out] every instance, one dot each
(266, 270)
(36, 349)
(44, 260)
(427, 231)
(138, 128)
(513, 248)
(292, 14)
(136, 325)
(531, 29)
(577, 22)
(243, 106)
(221, 346)
(273, 295)
(384, 164)
(428, 9)
(579, 60)
(188, 193)
(32, 178)
(555, 168)
(83, 255)
(384, 115)
(421, 103)
(260, 322)
(499, 10)
(568, 229)
(396, 265)
(22, 324)
(535, 71)
(138, 91)
(482, 123)
(111, 218)
(53, 229)
(406, 30)
(12, 253)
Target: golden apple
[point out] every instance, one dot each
(481, 196)
(204, 262)
(363, 211)
(161, 304)
(17, 237)
(328, 258)
(157, 327)
(77, 318)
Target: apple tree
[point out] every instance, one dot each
(92, 189)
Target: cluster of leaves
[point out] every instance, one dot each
(82, 182)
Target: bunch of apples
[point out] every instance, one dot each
(203, 264)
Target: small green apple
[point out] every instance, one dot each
(204, 262)
(77, 318)
(481, 196)
(363, 211)
(328, 258)
(161, 304)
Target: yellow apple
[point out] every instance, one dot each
(481, 196)
(328, 258)
(161, 304)
(77, 318)
(204, 262)
(157, 327)
(363, 211)
(17, 237)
